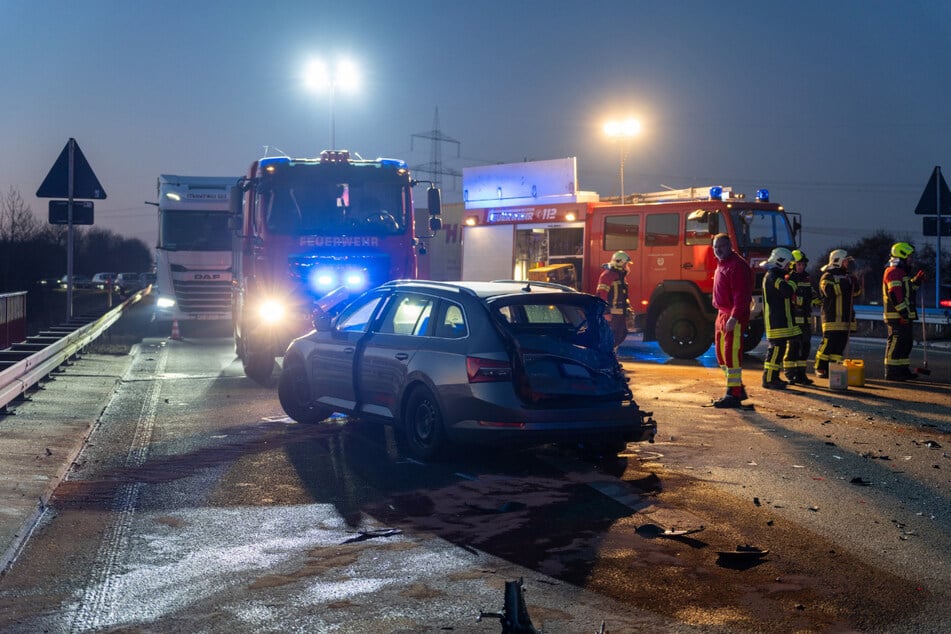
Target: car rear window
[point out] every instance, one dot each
(543, 314)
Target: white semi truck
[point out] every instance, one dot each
(193, 254)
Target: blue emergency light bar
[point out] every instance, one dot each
(716, 193)
(389, 162)
(762, 195)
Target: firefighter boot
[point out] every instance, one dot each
(771, 381)
(733, 398)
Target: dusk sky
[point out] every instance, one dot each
(839, 107)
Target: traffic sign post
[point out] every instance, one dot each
(935, 201)
(71, 177)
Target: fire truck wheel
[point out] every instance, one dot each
(753, 335)
(423, 425)
(293, 391)
(258, 366)
(683, 332)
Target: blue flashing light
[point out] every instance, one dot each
(354, 280)
(326, 279)
(389, 162)
(273, 161)
(716, 193)
(762, 195)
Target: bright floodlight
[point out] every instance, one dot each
(622, 129)
(320, 76)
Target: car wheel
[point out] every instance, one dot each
(293, 391)
(683, 332)
(423, 425)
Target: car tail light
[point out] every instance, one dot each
(945, 303)
(487, 370)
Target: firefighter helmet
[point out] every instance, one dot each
(837, 259)
(902, 250)
(619, 259)
(780, 257)
(798, 256)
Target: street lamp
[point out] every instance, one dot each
(622, 131)
(319, 76)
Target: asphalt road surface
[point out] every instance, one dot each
(196, 505)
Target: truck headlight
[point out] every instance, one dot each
(164, 302)
(271, 311)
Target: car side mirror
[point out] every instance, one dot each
(323, 322)
(435, 223)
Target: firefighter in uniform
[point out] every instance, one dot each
(732, 295)
(899, 291)
(802, 315)
(612, 288)
(838, 289)
(782, 333)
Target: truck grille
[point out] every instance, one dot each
(203, 296)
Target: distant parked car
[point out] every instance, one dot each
(146, 279)
(79, 281)
(509, 363)
(127, 283)
(102, 281)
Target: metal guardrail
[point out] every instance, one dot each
(931, 316)
(25, 373)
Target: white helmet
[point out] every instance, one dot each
(619, 259)
(837, 259)
(780, 257)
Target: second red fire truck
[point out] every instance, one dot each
(667, 234)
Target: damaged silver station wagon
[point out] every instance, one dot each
(508, 363)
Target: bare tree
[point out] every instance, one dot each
(17, 222)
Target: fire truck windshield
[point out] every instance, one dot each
(338, 208)
(761, 229)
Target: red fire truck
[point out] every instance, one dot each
(305, 227)
(667, 234)
(669, 238)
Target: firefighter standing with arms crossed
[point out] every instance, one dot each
(781, 329)
(802, 314)
(732, 294)
(898, 295)
(838, 288)
(612, 288)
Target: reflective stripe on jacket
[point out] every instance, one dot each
(898, 294)
(837, 289)
(777, 305)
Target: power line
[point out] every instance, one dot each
(435, 167)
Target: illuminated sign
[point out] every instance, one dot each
(206, 196)
(339, 241)
(551, 213)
